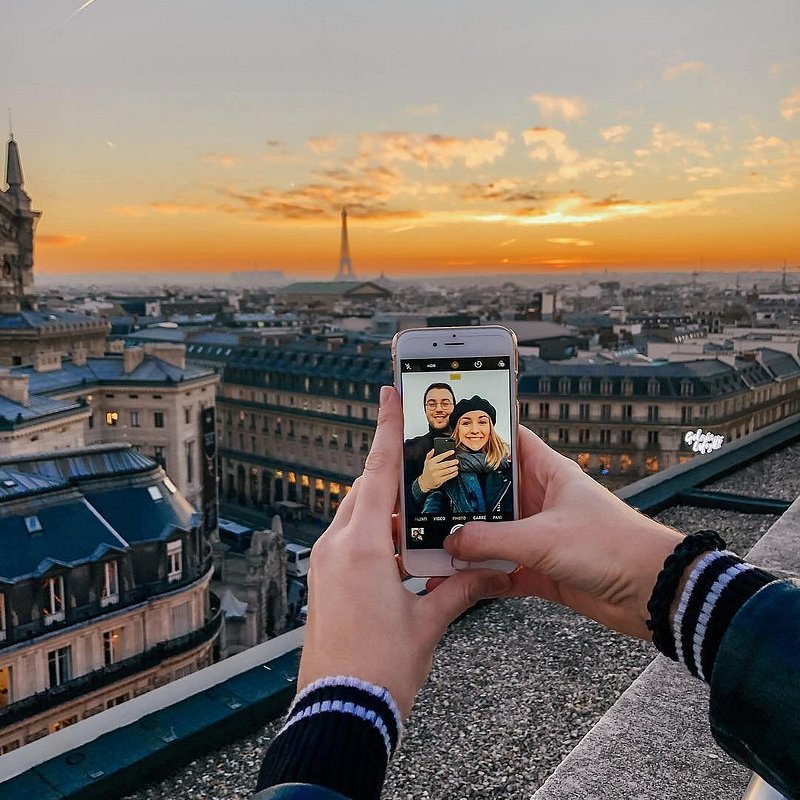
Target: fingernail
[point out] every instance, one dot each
(385, 391)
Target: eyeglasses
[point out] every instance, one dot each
(445, 405)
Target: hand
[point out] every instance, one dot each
(577, 543)
(362, 621)
(437, 470)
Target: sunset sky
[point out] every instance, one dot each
(165, 135)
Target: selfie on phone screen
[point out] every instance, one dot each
(457, 445)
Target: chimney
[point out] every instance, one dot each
(115, 346)
(14, 387)
(174, 354)
(79, 355)
(132, 357)
(46, 360)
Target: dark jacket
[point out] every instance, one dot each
(466, 494)
(414, 452)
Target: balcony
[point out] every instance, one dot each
(74, 616)
(100, 678)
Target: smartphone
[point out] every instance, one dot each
(443, 444)
(459, 392)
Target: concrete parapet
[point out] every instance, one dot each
(655, 742)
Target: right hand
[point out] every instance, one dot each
(577, 543)
(437, 470)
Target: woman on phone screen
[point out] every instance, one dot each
(483, 483)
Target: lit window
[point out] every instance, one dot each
(109, 594)
(624, 463)
(651, 464)
(53, 599)
(583, 460)
(59, 665)
(111, 646)
(174, 561)
(6, 696)
(112, 418)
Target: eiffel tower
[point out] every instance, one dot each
(345, 272)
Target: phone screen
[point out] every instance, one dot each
(469, 400)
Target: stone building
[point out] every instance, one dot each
(146, 396)
(25, 330)
(98, 603)
(621, 422)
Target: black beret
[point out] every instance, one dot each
(475, 403)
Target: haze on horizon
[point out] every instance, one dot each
(464, 137)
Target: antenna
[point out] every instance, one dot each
(10, 126)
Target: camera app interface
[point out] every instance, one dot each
(457, 445)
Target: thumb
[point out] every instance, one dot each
(461, 591)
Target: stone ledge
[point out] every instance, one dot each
(655, 740)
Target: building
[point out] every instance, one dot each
(148, 397)
(25, 330)
(98, 603)
(624, 421)
(324, 295)
(295, 421)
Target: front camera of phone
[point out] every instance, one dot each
(435, 344)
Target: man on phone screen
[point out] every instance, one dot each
(425, 471)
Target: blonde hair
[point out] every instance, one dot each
(495, 448)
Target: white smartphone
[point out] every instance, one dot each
(460, 415)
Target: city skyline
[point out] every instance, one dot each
(462, 139)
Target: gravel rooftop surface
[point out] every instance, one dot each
(514, 687)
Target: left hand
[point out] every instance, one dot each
(362, 621)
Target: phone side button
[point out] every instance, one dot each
(457, 564)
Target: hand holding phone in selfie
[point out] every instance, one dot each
(578, 544)
(438, 469)
(362, 621)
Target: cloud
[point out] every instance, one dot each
(506, 242)
(552, 105)
(59, 240)
(430, 150)
(430, 110)
(222, 160)
(616, 133)
(772, 151)
(699, 173)
(790, 105)
(322, 145)
(684, 68)
(703, 126)
(667, 141)
(576, 242)
(111, 144)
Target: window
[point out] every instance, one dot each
(627, 412)
(3, 628)
(686, 415)
(53, 599)
(653, 387)
(583, 460)
(136, 419)
(564, 386)
(585, 386)
(111, 646)
(626, 436)
(158, 419)
(544, 410)
(687, 388)
(563, 435)
(652, 413)
(160, 455)
(605, 436)
(348, 440)
(544, 434)
(364, 442)
(605, 412)
(652, 437)
(606, 386)
(584, 435)
(624, 463)
(627, 386)
(187, 415)
(651, 464)
(91, 421)
(544, 385)
(59, 665)
(563, 410)
(605, 464)
(6, 696)
(115, 701)
(109, 594)
(174, 561)
(190, 459)
(584, 412)
(112, 418)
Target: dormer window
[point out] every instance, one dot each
(33, 524)
(627, 387)
(653, 387)
(687, 388)
(564, 386)
(585, 386)
(606, 386)
(174, 561)
(109, 594)
(53, 599)
(544, 385)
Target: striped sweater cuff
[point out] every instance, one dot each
(340, 732)
(718, 586)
